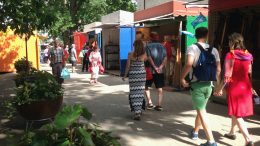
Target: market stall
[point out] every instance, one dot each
(94, 33)
(172, 20)
(13, 47)
(80, 39)
(117, 39)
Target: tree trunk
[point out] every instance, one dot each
(26, 47)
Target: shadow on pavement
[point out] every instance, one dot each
(108, 101)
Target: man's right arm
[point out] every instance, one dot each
(190, 56)
(150, 60)
(186, 70)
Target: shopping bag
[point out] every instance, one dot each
(256, 98)
(65, 74)
(90, 68)
(81, 55)
(101, 69)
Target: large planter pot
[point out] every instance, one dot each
(40, 110)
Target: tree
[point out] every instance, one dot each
(73, 14)
(59, 17)
(25, 16)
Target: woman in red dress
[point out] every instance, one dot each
(238, 67)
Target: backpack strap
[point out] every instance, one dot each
(200, 47)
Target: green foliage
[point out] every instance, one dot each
(22, 65)
(24, 76)
(67, 116)
(36, 86)
(115, 5)
(76, 13)
(26, 16)
(58, 17)
(70, 131)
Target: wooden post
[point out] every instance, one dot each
(222, 38)
(243, 26)
(178, 64)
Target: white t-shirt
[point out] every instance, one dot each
(194, 51)
(73, 54)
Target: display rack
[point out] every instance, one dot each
(112, 57)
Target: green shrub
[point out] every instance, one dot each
(36, 86)
(22, 65)
(67, 130)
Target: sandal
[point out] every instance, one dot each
(150, 106)
(250, 143)
(137, 117)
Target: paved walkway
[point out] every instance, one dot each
(108, 101)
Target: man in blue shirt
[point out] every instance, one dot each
(157, 59)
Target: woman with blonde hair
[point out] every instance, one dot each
(137, 77)
(238, 69)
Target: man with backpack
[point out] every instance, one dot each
(203, 67)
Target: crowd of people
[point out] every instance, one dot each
(145, 66)
(57, 56)
(151, 62)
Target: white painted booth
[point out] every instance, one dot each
(114, 27)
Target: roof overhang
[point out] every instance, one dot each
(89, 27)
(176, 8)
(107, 26)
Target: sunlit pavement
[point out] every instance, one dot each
(108, 101)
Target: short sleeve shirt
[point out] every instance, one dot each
(56, 55)
(157, 52)
(73, 54)
(194, 51)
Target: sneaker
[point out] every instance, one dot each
(193, 135)
(158, 108)
(209, 144)
(230, 136)
(150, 106)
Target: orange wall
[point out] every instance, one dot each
(12, 48)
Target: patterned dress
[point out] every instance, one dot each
(137, 78)
(95, 61)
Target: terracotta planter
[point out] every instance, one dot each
(40, 110)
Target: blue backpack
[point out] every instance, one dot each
(206, 67)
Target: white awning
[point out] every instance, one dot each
(163, 17)
(107, 25)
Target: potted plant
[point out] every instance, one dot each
(71, 127)
(38, 95)
(22, 65)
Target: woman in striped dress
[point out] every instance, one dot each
(137, 77)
